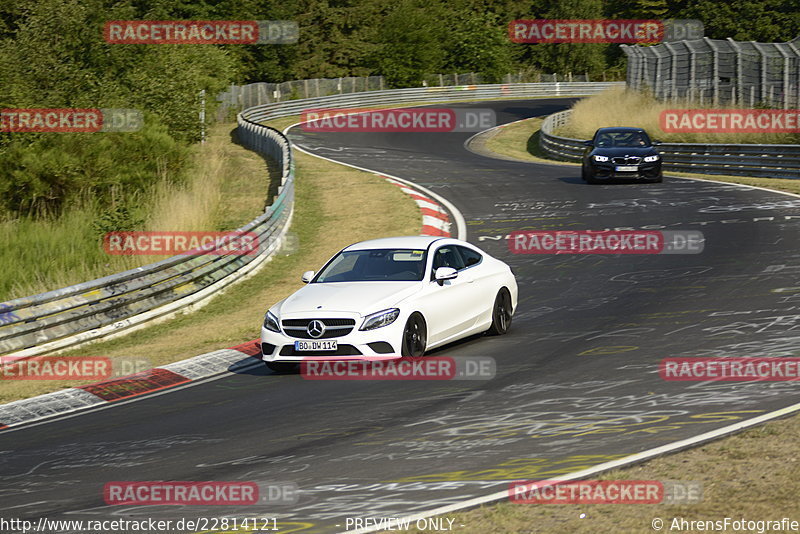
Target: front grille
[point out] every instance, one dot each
(628, 160)
(333, 328)
(341, 350)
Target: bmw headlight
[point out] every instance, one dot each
(600, 158)
(651, 159)
(379, 319)
(271, 323)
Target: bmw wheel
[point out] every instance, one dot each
(415, 337)
(501, 313)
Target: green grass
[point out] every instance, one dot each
(753, 475)
(322, 224)
(622, 107)
(520, 141)
(225, 187)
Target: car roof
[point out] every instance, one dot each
(407, 241)
(619, 129)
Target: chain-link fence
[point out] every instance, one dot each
(240, 97)
(716, 71)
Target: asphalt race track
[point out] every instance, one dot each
(577, 376)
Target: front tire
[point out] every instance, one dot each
(501, 313)
(415, 337)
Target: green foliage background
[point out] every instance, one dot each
(52, 54)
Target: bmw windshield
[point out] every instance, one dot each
(405, 265)
(622, 139)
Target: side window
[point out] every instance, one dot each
(469, 256)
(448, 256)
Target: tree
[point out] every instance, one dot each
(410, 44)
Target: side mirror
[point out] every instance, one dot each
(307, 276)
(588, 143)
(444, 273)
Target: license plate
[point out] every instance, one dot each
(315, 345)
(627, 168)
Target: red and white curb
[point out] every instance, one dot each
(435, 208)
(435, 220)
(79, 398)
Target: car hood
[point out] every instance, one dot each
(625, 151)
(362, 298)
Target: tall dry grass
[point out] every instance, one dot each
(224, 187)
(622, 107)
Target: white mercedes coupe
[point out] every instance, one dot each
(390, 298)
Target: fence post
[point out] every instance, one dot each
(673, 70)
(786, 66)
(714, 69)
(797, 62)
(739, 74)
(763, 87)
(692, 69)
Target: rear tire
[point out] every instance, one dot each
(415, 337)
(281, 367)
(501, 313)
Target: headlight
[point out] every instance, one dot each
(651, 159)
(379, 319)
(271, 323)
(600, 158)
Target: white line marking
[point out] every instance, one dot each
(614, 464)
(461, 224)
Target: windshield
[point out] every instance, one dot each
(625, 139)
(370, 265)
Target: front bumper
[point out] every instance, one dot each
(644, 171)
(379, 344)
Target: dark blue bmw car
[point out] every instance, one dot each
(621, 153)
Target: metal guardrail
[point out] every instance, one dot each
(428, 95)
(100, 308)
(764, 161)
(240, 97)
(71, 315)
